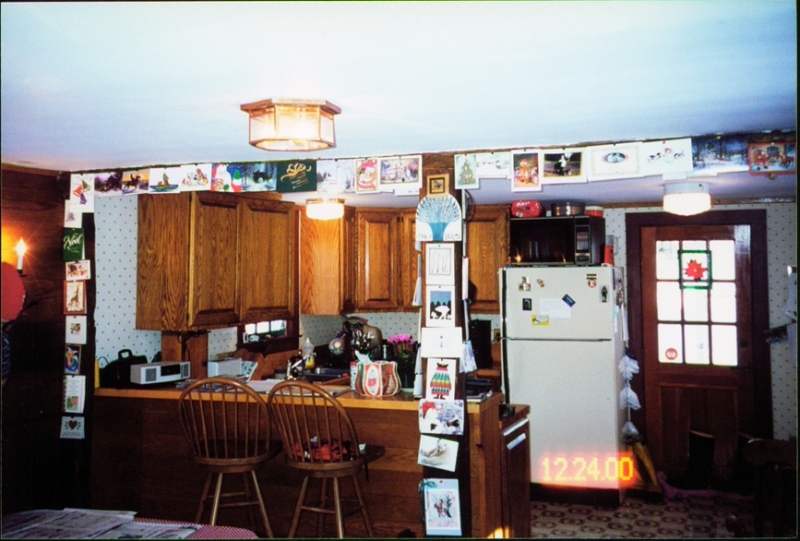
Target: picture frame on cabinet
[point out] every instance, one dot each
(438, 185)
(74, 297)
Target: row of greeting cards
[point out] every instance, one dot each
(441, 415)
(77, 273)
(526, 169)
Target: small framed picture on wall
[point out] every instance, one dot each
(438, 184)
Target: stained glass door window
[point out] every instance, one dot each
(696, 302)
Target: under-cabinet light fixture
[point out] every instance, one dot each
(686, 198)
(325, 209)
(292, 125)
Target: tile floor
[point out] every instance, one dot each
(636, 518)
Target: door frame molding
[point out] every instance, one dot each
(757, 220)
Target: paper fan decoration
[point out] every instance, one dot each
(439, 219)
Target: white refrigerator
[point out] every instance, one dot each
(562, 341)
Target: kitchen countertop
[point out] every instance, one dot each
(400, 401)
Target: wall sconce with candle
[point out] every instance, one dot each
(20, 249)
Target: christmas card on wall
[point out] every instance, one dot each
(73, 244)
(442, 507)
(436, 452)
(441, 379)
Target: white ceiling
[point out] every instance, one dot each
(89, 86)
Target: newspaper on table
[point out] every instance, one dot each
(88, 524)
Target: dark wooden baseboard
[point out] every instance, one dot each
(587, 496)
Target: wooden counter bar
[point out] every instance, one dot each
(140, 462)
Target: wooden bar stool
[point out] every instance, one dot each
(227, 426)
(321, 442)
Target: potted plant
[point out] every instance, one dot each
(405, 355)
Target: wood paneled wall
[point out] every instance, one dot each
(39, 468)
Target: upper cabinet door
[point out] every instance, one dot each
(327, 265)
(408, 258)
(267, 260)
(211, 260)
(162, 262)
(214, 267)
(487, 249)
(378, 268)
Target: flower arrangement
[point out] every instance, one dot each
(404, 354)
(402, 342)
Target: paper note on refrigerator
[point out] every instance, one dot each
(555, 308)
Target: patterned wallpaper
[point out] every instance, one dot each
(115, 221)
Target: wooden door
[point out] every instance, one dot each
(487, 250)
(378, 268)
(698, 336)
(267, 256)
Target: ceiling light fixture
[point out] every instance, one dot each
(290, 125)
(325, 209)
(686, 198)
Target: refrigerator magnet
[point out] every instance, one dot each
(540, 321)
(569, 300)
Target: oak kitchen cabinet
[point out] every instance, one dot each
(487, 250)
(211, 260)
(386, 262)
(328, 265)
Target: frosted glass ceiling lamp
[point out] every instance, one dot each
(686, 198)
(325, 209)
(291, 125)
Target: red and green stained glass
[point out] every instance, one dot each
(695, 269)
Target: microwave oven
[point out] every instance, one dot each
(560, 240)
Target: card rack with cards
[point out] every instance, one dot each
(164, 372)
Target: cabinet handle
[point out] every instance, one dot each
(516, 441)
